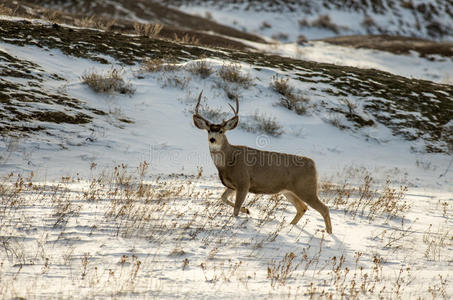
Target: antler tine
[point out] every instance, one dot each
(198, 103)
(237, 107)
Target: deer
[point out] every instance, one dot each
(244, 170)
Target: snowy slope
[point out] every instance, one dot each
(165, 136)
(421, 18)
(87, 218)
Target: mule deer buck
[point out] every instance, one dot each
(243, 170)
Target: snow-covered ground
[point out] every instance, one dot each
(167, 139)
(439, 69)
(283, 20)
(121, 237)
(84, 226)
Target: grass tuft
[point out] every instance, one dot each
(149, 30)
(109, 82)
(261, 123)
(232, 73)
(291, 100)
(200, 68)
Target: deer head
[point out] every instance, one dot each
(216, 132)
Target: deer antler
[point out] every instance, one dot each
(237, 107)
(198, 104)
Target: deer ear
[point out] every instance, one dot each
(200, 123)
(231, 123)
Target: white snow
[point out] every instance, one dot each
(94, 237)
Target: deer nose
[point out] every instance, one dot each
(212, 140)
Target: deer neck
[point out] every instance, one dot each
(219, 153)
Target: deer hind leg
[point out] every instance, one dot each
(300, 206)
(228, 192)
(314, 202)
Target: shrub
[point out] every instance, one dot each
(291, 100)
(108, 83)
(186, 39)
(149, 30)
(200, 68)
(261, 123)
(4, 10)
(232, 73)
(158, 64)
(368, 22)
(323, 21)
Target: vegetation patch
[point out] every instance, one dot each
(395, 44)
(291, 100)
(397, 102)
(200, 68)
(232, 73)
(262, 123)
(111, 81)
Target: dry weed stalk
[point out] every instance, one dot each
(158, 64)
(187, 39)
(232, 73)
(290, 100)
(280, 272)
(5, 10)
(109, 82)
(366, 201)
(261, 123)
(437, 242)
(149, 30)
(200, 68)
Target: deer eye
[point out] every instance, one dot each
(221, 131)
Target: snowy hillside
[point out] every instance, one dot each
(286, 20)
(108, 190)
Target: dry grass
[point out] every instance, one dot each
(186, 39)
(262, 123)
(200, 68)
(368, 201)
(94, 22)
(4, 10)
(280, 272)
(437, 242)
(175, 81)
(232, 73)
(171, 217)
(158, 65)
(291, 100)
(149, 30)
(323, 21)
(108, 82)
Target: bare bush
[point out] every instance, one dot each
(280, 272)
(369, 202)
(186, 39)
(86, 22)
(265, 25)
(200, 68)
(232, 73)
(291, 100)
(281, 36)
(108, 82)
(437, 242)
(368, 22)
(149, 30)
(324, 21)
(158, 64)
(5, 10)
(176, 81)
(262, 123)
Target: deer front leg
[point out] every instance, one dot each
(228, 192)
(240, 197)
